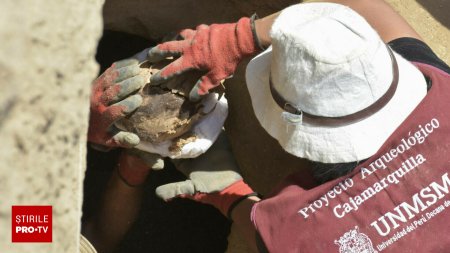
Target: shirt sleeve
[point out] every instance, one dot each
(417, 51)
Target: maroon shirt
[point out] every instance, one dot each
(396, 201)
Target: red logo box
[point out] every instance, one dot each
(31, 223)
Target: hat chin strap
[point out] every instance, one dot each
(342, 120)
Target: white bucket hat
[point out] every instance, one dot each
(329, 89)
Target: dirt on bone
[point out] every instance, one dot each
(179, 142)
(166, 113)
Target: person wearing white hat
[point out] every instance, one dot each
(343, 84)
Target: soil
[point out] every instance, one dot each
(179, 142)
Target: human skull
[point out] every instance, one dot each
(166, 112)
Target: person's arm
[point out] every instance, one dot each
(107, 228)
(241, 217)
(217, 49)
(262, 28)
(379, 14)
(121, 201)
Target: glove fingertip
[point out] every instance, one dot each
(159, 165)
(164, 194)
(156, 78)
(194, 95)
(174, 190)
(168, 72)
(153, 51)
(142, 56)
(157, 53)
(127, 139)
(203, 85)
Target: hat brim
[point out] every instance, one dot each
(348, 143)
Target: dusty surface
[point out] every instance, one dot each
(46, 68)
(153, 19)
(431, 20)
(184, 139)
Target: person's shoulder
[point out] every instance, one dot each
(415, 50)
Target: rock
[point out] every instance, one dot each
(46, 66)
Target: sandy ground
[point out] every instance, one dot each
(431, 20)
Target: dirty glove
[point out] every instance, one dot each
(212, 179)
(215, 49)
(111, 101)
(135, 165)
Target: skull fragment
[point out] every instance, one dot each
(166, 112)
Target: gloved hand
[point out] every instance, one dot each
(134, 166)
(216, 49)
(111, 101)
(213, 179)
